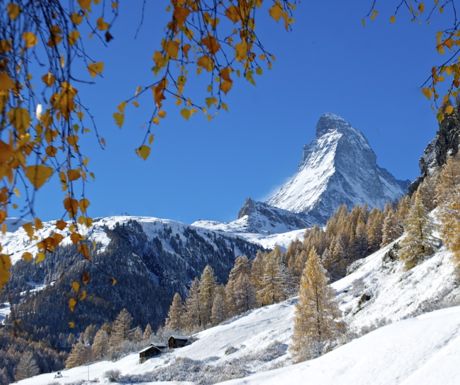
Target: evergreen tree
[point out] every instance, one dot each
(448, 196)
(257, 270)
(137, 334)
(449, 180)
(374, 230)
(100, 344)
(120, 329)
(207, 287)
(27, 367)
(239, 291)
(218, 312)
(175, 314)
(274, 281)
(192, 307)
(418, 238)
(392, 229)
(88, 334)
(147, 333)
(317, 322)
(79, 355)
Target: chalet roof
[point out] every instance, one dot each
(156, 346)
(179, 337)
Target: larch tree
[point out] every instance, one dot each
(418, 238)
(120, 329)
(175, 320)
(392, 229)
(317, 320)
(448, 197)
(239, 291)
(193, 307)
(274, 281)
(147, 333)
(219, 311)
(27, 367)
(207, 288)
(79, 355)
(100, 344)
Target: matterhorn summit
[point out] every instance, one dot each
(338, 167)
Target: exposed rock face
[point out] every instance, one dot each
(445, 143)
(262, 217)
(338, 167)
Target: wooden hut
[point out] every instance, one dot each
(176, 341)
(151, 351)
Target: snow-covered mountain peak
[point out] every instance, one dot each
(338, 167)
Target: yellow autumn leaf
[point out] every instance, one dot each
(13, 11)
(73, 174)
(151, 139)
(38, 175)
(30, 39)
(421, 7)
(19, 118)
(75, 286)
(143, 151)
(85, 4)
(72, 304)
(449, 109)
(427, 92)
(84, 204)
(276, 12)
(73, 37)
(206, 62)
(172, 49)
(392, 19)
(40, 257)
(374, 14)
(241, 50)
(26, 256)
(102, 25)
(186, 113)
(95, 69)
(48, 79)
(6, 83)
(119, 118)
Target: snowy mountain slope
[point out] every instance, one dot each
(338, 167)
(258, 341)
(149, 258)
(260, 218)
(420, 351)
(15, 243)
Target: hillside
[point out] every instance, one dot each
(258, 341)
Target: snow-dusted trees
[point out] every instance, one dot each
(175, 314)
(207, 287)
(392, 228)
(239, 291)
(417, 242)
(147, 333)
(317, 322)
(448, 197)
(218, 311)
(192, 307)
(120, 329)
(100, 344)
(27, 367)
(274, 285)
(79, 355)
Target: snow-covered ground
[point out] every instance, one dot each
(417, 351)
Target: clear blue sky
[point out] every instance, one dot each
(201, 170)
